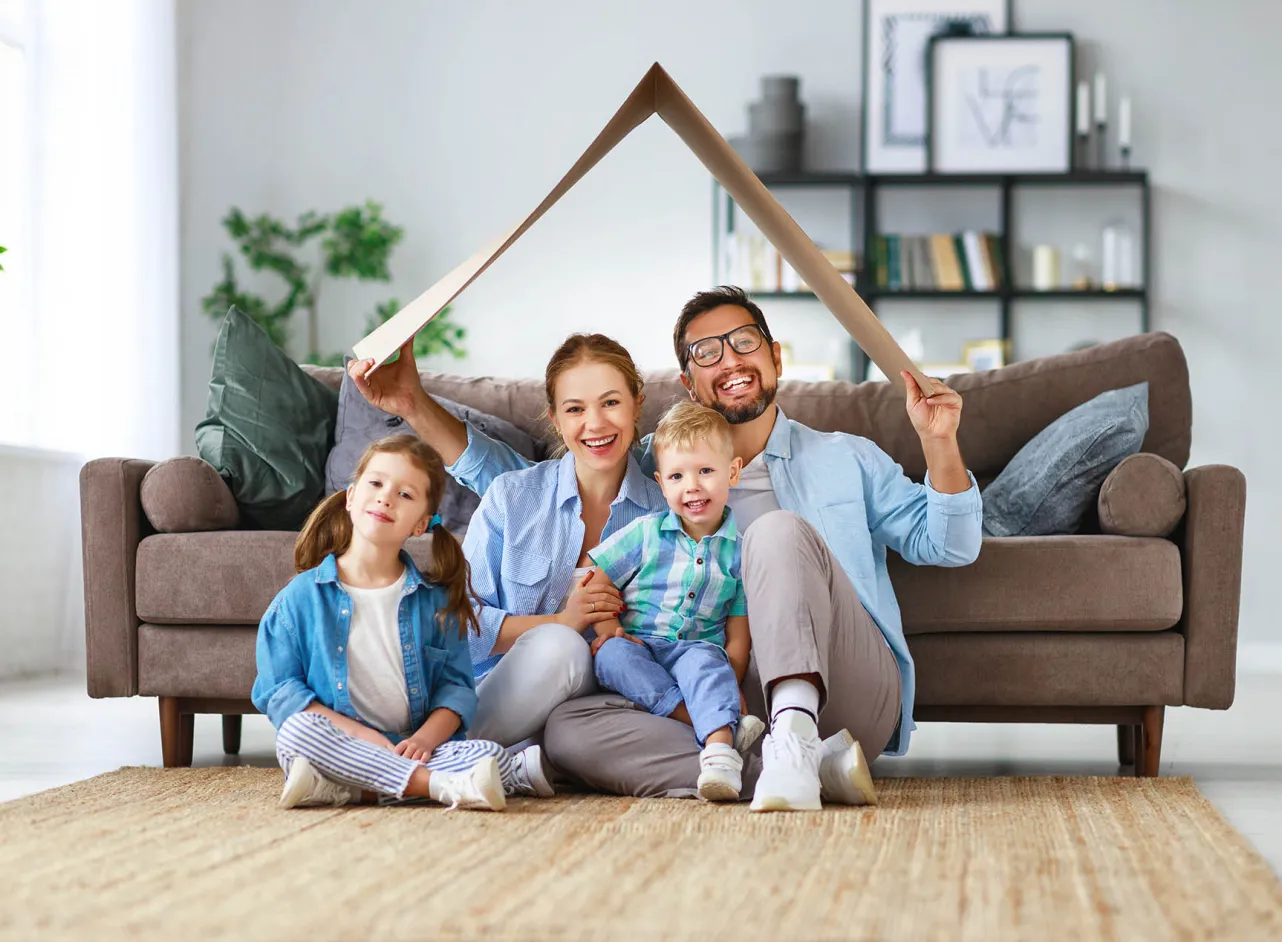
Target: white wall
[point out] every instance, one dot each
(460, 117)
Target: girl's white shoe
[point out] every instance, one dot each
(305, 787)
(478, 789)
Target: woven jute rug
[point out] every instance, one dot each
(205, 853)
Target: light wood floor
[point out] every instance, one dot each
(52, 734)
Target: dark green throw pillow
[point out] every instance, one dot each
(268, 427)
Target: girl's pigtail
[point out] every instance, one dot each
(451, 570)
(327, 530)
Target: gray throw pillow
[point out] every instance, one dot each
(1053, 481)
(359, 424)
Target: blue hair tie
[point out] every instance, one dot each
(434, 522)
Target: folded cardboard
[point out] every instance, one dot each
(658, 94)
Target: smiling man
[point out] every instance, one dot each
(818, 511)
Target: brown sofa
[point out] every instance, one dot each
(1089, 628)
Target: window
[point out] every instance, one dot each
(17, 205)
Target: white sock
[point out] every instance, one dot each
(794, 694)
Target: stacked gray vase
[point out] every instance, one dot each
(776, 127)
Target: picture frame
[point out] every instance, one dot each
(896, 36)
(981, 355)
(1000, 104)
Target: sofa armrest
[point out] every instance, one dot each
(112, 525)
(1211, 554)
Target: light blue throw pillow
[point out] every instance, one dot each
(1054, 479)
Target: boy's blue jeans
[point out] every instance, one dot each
(659, 675)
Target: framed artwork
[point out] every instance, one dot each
(1000, 104)
(983, 355)
(896, 38)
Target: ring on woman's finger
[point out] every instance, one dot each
(593, 608)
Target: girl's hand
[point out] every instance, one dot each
(395, 387)
(606, 632)
(590, 605)
(415, 749)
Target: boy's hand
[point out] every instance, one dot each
(605, 632)
(415, 749)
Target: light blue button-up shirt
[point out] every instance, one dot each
(302, 650)
(859, 500)
(525, 538)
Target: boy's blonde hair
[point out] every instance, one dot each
(689, 422)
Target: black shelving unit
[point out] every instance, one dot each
(864, 190)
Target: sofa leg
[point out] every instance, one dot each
(176, 733)
(1148, 745)
(1126, 744)
(231, 733)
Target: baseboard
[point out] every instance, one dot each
(1259, 657)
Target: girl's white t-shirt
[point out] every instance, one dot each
(375, 665)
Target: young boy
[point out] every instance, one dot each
(680, 648)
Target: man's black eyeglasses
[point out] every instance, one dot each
(709, 350)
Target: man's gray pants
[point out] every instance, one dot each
(805, 618)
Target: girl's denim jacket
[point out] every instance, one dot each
(302, 650)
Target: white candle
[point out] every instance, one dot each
(1124, 123)
(1083, 108)
(1100, 99)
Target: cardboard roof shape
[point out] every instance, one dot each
(658, 94)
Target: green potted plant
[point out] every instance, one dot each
(356, 242)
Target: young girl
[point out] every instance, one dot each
(363, 664)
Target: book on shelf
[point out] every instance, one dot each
(752, 263)
(962, 261)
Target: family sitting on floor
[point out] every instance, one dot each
(627, 617)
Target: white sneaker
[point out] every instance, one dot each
(720, 775)
(746, 735)
(480, 788)
(531, 778)
(844, 776)
(790, 756)
(305, 788)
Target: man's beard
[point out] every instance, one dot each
(742, 412)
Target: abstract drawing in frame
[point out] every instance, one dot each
(896, 37)
(1000, 104)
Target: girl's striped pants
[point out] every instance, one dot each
(350, 761)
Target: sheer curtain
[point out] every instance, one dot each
(102, 371)
(89, 295)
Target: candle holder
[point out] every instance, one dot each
(1126, 158)
(1083, 152)
(1100, 156)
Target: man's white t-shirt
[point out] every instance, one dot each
(754, 495)
(375, 665)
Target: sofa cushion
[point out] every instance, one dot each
(1142, 496)
(197, 661)
(1052, 481)
(226, 577)
(1047, 583)
(186, 495)
(1004, 408)
(1070, 583)
(268, 427)
(360, 423)
(1018, 669)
